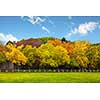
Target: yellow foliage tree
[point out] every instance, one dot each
(78, 57)
(53, 56)
(15, 56)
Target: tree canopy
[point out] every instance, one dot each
(51, 53)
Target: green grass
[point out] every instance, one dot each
(66, 77)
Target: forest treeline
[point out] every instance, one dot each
(51, 53)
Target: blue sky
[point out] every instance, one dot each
(73, 28)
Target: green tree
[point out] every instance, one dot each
(63, 39)
(45, 39)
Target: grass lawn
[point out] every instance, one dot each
(64, 77)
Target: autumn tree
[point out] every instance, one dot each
(15, 56)
(67, 45)
(55, 42)
(31, 53)
(62, 56)
(78, 57)
(93, 55)
(53, 56)
(98, 57)
(2, 53)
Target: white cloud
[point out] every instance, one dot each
(6, 38)
(45, 29)
(33, 19)
(38, 20)
(83, 29)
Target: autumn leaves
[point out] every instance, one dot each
(53, 54)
